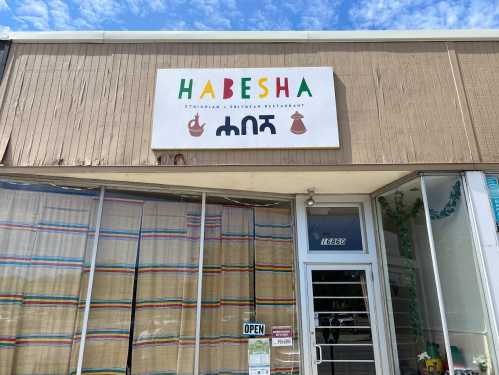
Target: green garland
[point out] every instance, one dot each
(450, 206)
(400, 216)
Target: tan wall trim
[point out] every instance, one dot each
(254, 168)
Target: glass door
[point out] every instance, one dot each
(340, 309)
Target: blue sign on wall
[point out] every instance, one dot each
(493, 186)
(334, 229)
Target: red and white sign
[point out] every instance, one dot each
(282, 336)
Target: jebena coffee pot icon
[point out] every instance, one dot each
(195, 129)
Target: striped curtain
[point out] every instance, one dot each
(248, 274)
(107, 342)
(228, 290)
(145, 286)
(275, 282)
(44, 234)
(165, 315)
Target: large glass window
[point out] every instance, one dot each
(413, 293)
(437, 302)
(463, 298)
(45, 234)
(142, 315)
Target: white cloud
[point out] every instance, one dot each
(249, 14)
(144, 7)
(202, 15)
(33, 13)
(59, 13)
(157, 5)
(318, 14)
(3, 5)
(294, 14)
(96, 12)
(425, 14)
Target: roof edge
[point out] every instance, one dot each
(249, 36)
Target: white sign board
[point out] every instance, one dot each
(245, 108)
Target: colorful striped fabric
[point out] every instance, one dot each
(46, 237)
(106, 348)
(228, 284)
(275, 281)
(43, 239)
(249, 274)
(165, 315)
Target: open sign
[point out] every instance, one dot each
(253, 329)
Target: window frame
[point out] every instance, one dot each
(360, 210)
(477, 248)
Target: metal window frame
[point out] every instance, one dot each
(386, 282)
(483, 277)
(360, 210)
(478, 253)
(436, 274)
(90, 285)
(200, 285)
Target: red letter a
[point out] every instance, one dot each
(228, 88)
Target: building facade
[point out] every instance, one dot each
(376, 255)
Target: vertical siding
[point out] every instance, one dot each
(479, 64)
(91, 104)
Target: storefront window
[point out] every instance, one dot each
(45, 234)
(419, 316)
(414, 302)
(143, 311)
(142, 316)
(465, 308)
(108, 334)
(248, 277)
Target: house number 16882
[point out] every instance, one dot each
(333, 241)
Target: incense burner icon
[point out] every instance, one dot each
(298, 127)
(195, 129)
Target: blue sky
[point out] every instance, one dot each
(37, 15)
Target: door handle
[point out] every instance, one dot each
(318, 361)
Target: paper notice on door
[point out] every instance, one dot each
(282, 336)
(258, 352)
(259, 370)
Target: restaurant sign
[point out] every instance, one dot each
(245, 108)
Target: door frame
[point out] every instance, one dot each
(367, 258)
(310, 335)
